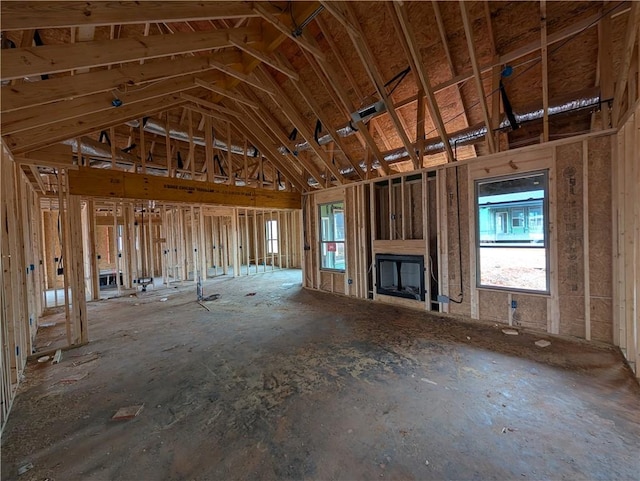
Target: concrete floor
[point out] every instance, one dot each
(294, 384)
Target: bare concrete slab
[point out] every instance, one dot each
(294, 384)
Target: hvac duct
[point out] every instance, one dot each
(474, 135)
(153, 126)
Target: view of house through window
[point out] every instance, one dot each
(513, 249)
(332, 236)
(272, 237)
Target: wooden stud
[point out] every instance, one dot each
(477, 74)
(623, 73)
(545, 69)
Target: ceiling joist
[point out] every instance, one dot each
(35, 14)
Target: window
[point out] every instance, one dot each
(512, 232)
(332, 236)
(272, 237)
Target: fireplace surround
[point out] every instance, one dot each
(400, 276)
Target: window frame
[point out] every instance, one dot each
(269, 223)
(322, 244)
(545, 229)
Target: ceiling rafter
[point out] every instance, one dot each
(623, 74)
(445, 45)
(54, 14)
(340, 16)
(264, 58)
(477, 74)
(294, 116)
(417, 63)
(131, 76)
(262, 139)
(32, 139)
(224, 92)
(508, 57)
(25, 119)
(496, 75)
(366, 56)
(241, 76)
(317, 110)
(270, 123)
(286, 30)
(210, 105)
(328, 76)
(49, 59)
(545, 71)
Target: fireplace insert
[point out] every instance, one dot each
(400, 276)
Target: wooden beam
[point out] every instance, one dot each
(225, 93)
(545, 71)
(508, 57)
(289, 109)
(286, 30)
(328, 76)
(264, 58)
(340, 16)
(125, 185)
(232, 72)
(209, 113)
(269, 123)
(367, 58)
(315, 107)
(265, 145)
(417, 63)
(623, 74)
(39, 137)
(605, 64)
(209, 105)
(24, 119)
(34, 14)
(477, 75)
(127, 79)
(48, 59)
(452, 68)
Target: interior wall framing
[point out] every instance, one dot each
(586, 203)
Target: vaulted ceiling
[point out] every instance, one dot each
(266, 92)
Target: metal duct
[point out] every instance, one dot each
(91, 148)
(474, 135)
(162, 172)
(156, 127)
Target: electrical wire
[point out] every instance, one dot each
(534, 61)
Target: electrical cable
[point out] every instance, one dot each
(534, 62)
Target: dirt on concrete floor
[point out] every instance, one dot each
(277, 382)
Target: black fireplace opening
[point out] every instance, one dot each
(400, 276)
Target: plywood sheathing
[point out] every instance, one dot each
(494, 306)
(600, 239)
(569, 187)
(458, 241)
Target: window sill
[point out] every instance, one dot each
(511, 290)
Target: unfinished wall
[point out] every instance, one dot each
(626, 246)
(22, 276)
(580, 302)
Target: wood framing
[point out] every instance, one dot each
(124, 185)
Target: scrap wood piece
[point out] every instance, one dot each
(57, 357)
(542, 343)
(127, 412)
(510, 332)
(73, 378)
(24, 468)
(85, 359)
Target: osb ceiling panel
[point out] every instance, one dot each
(510, 26)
